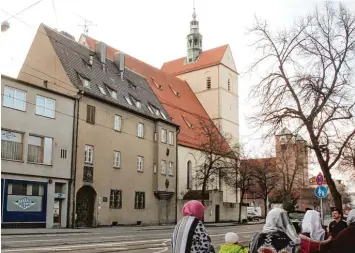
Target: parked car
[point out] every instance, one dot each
(296, 218)
(253, 213)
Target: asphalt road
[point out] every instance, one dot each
(132, 240)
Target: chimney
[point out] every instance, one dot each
(100, 50)
(119, 61)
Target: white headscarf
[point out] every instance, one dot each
(277, 220)
(351, 217)
(312, 224)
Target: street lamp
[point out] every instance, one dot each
(5, 26)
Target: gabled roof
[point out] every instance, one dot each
(75, 60)
(284, 131)
(173, 93)
(206, 59)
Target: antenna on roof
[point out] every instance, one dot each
(86, 25)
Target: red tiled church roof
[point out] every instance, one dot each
(173, 93)
(206, 59)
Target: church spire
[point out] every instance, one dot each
(194, 39)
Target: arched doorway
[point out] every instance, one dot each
(85, 206)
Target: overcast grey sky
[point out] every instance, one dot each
(154, 31)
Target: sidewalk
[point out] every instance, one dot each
(38, 231)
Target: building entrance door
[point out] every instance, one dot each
(85, 206)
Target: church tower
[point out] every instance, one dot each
(194, 40)
(213, 77)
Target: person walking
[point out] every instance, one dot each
(313, 235)
(278, 235)
(190, 235)
(345, 241)
(337, 225)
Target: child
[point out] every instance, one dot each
(232, 245)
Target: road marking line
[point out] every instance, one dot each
(160, 250)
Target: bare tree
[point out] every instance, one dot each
(239, 176)
(310, 82)
(347, 163)
(265, 177)
(215, 154)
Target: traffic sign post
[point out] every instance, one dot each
(321, 192)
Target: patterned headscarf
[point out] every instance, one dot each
(277, 220)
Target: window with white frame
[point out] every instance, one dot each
(139, 200)
(129, 101)
(171, 138)
(117, 123)
(85, 81)
(163, 135)
(140, 163)
(115, 199)
(11, 145)
(45, 106)
(171, 169)
(140, 130)
(116, 159)
(40, 150)
(89, 154)
(163, 167)
(14, 98)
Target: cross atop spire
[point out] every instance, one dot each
(194, 12)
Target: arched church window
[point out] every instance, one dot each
(195, 42)
(190, 42)
(189, 168)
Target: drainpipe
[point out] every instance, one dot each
(176, 174)
(74, 156)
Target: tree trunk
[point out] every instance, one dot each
(202, 196)
(337, 198)
(240, 207)
(265, 206)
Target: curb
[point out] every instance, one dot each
(46, 233)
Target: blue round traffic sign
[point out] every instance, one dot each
(321, 192)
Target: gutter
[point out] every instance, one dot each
(74, 157)
(176, 174)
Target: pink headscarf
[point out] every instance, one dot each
(193, 208)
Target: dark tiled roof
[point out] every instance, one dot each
(185, 108)
(75, 57)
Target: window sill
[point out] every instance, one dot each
(140, 171)
(91, 123)
(116, 167)
(14, 108)
(115, 208)
(44, 116)
(88, 164)
(116, 130)
(163, 142)
(49, 165)
(10, 160)
(140, 137)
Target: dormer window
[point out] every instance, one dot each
(157, 85)
(102, 90)
(208, 82)
(150, 109)
(138, 104)
(131, 85)
(113, 93)
(187, 123)
(128, 100)
(163, 115)
(229, 84)
(175, 92)
(85, 81)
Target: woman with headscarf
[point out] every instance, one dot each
(345, 240)
(313, 235)
(277, 236)
(190, 235)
